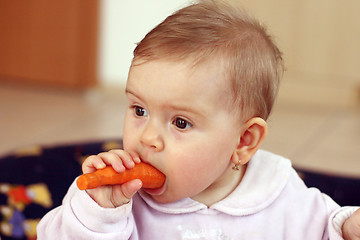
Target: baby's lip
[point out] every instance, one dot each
(142, 159)
(155, 191)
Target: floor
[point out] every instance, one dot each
(322, 139)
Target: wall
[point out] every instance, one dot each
(123, 24)
(320, 40)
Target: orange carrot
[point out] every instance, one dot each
(150, 177)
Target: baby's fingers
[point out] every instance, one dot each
(128, 159)
(92, 163)
(116, 160)
(123, 193)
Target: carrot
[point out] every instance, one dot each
(150, 177)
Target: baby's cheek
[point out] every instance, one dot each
(129, 142)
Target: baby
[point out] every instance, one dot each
(200, 88)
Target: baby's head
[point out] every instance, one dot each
(199, 89)
(214, 31)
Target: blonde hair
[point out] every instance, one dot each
(215, 30)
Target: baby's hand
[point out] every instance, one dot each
(114, 195)
(351, 227)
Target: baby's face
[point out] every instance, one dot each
(177, 121)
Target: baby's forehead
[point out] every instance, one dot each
(212, 69)
(209, 75)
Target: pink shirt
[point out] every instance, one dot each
(271, 202)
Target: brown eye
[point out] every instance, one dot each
(181, 123)
(140, 112)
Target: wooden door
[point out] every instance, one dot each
(49, 43)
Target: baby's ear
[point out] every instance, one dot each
(253, 134)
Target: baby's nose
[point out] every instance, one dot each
(152, 138)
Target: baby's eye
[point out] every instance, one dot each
(181, 123)
(140, 112)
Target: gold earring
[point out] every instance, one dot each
(236, 167)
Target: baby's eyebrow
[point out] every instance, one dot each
(188, 109)
(128, 91)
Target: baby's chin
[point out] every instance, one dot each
(154, 191)
(162, 198)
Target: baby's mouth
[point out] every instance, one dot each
(152, 178)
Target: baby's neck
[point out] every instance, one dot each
(222, 188)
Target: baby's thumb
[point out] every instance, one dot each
(127, 191)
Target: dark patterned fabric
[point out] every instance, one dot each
(33, 181)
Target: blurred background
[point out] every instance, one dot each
(64, 64)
